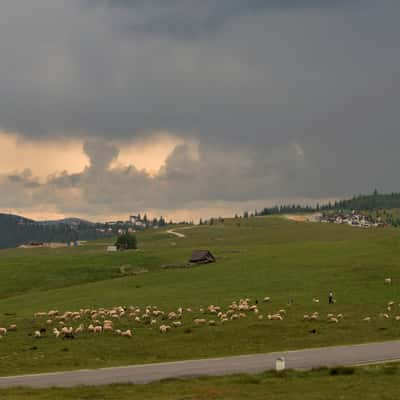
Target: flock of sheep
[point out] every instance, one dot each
(104, 320)
(71, 324)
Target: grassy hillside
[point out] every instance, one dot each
(268, 256)
(374, 382)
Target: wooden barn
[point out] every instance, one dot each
(202, 257)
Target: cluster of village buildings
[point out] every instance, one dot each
(353, 219)
(132, 225)
(52, 245)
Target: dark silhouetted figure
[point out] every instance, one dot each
(330, 298)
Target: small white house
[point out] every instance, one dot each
(112, 248)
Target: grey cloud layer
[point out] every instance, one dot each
(211, 175)
(188, 19)
(254, 78)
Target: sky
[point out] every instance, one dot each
(192, 109)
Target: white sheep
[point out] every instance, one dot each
(164, 328)
(275, 317)
(79, 329)
(98, 329)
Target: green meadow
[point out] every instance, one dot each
(290, 262)
(371, 383)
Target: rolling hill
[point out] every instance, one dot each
(16, 230)
(290, 262)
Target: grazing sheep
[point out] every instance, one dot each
(275, 317)
(367, 319)
(108, 328)
(164, 328)
(315, 300)
(172, 316)
(3, 331)
(52, 313)
(98, 329)
(66, 330)
(306, 317)
(200, 321)
(40, 314)
(397, 317)
(177, 324)
(260, 317)
(56, 332)
(49, 322)
(12, 327)
(127, 333)
(212, 323)
(79, 329)
(333, 319)
(388, 281)
(37, 334)
(266, 299)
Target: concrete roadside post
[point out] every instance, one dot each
(280, 364)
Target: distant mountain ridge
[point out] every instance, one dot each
(16, 230)
(68, 221)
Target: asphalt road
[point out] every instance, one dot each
(300, 359)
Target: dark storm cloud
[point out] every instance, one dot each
(190, 18)
(284, 98)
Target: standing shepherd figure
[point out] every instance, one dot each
(330, 298)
